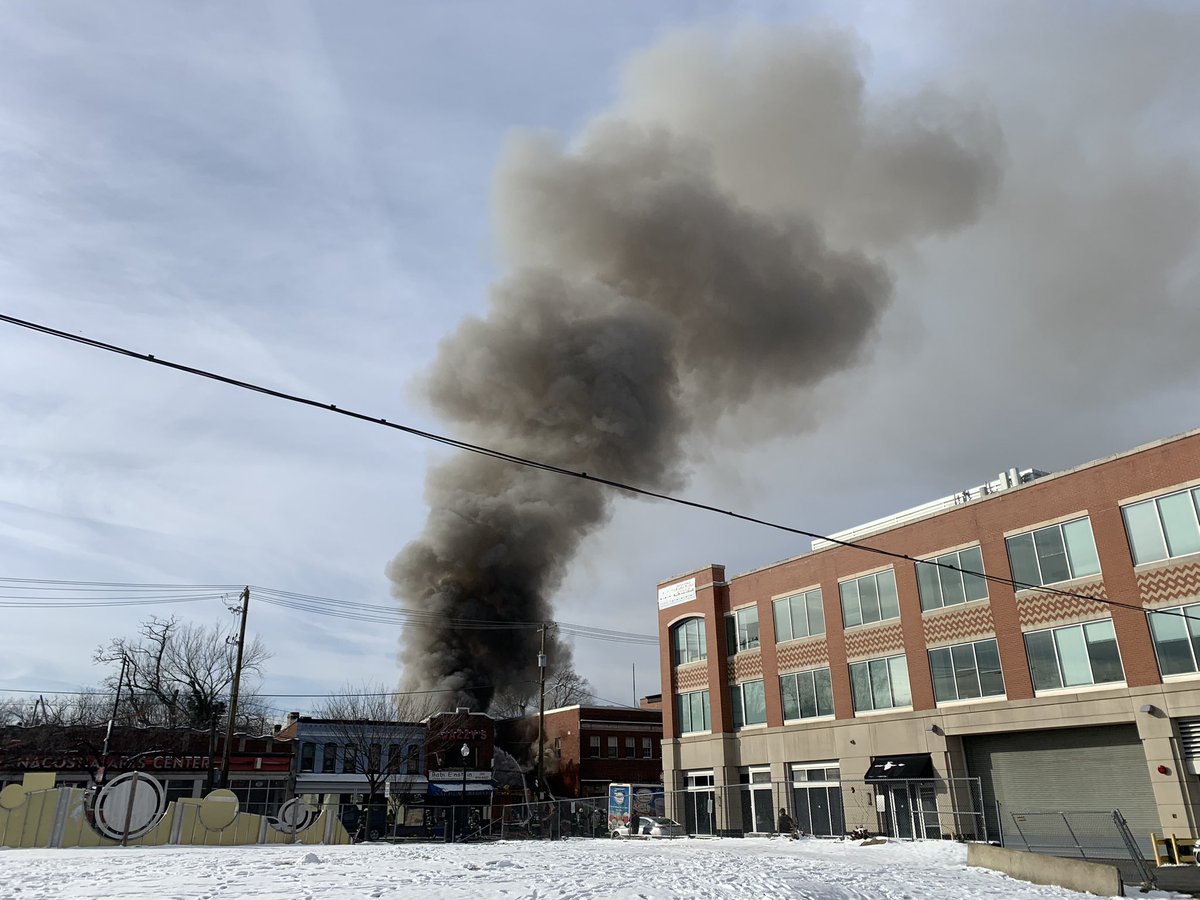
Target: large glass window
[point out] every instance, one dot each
(880, 683)
(1164, 527)
(871, 598)
(799, 616)
(329, 758)
(1054, 553)
(308, 752)
(806, 694)
(1074, 655)
(694, 712)
(1176, 633)
(741, 629)
(688, 642)
(966, 671)
(749, 704)
(941, 586)
(817, 799)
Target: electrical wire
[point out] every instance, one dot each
(551, 468)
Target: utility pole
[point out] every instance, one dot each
(233, 693)
(111, 719)
(541, 710)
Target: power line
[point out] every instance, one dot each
(549, 467)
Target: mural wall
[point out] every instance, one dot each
(132, 810)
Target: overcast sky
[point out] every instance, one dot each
(302, 195)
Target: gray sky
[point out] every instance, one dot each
(302, 195)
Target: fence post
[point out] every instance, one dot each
(1071, 832)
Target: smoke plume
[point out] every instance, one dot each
(660, 279)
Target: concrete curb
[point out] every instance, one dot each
(1075, 874)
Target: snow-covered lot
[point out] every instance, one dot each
(753, 868)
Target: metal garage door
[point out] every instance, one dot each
(1064, 769)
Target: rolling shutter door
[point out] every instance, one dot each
(1066, 769)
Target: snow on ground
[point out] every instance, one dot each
(750, 867)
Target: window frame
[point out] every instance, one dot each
(1061, 671)
(808, 600)
(954, 672)
(872, 689)
(738, 698)
(1155, 503)
(737, 639)
(811, 675)
(1060, 527)
(844, 597)
(701, 698)
(680, 630)
(931, 573)
(594, 751)
(1189, 612)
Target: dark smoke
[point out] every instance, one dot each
(652, 292)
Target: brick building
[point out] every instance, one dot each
(816, 681)
(590, 747)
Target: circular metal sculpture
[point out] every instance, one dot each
(218, 809)
(129, 806)
(294, 816)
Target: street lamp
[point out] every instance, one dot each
(465, 751)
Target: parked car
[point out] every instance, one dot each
(652, 827)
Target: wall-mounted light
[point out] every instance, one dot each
(933, 729)
(1163, 770)
(1148, 709)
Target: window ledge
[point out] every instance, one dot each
(802, 721)
(1081, 689)
(694, 733)
(801, 640)
(935, 611)
(1061, 585)
(862, 626)
(1166, 563)
(882, 712)
(993, 698)
(1180, 676)
(754, 727)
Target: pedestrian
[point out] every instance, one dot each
(786, 825)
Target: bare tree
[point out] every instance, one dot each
(564, 687)
(180, 673)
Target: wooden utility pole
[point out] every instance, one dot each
(111, 719)
(233, 693)
(541, 710)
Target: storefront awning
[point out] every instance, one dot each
(900, 767)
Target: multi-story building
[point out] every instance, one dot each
(589, 747)
(856, 688)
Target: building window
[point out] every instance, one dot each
(694, 712)
(558, 747)
(688, 642)
(647, 748)
(1176, 633)
(612, 748)
(749, 704)
(594, 746)
(807, 694)
(741, 629)
(799, 616)
(329, 758)
(817, 799)
(395, 762)
(871, 598)
(947, 587)
(350, 760)
(880, 683)
(259, 796)
(1074, 655)
(1053, 554)
(966, 671)
(374, 758)
(1164, 527)
(413, 760)
(630, 748)
(308, 752)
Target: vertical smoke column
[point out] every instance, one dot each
(647, 293)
